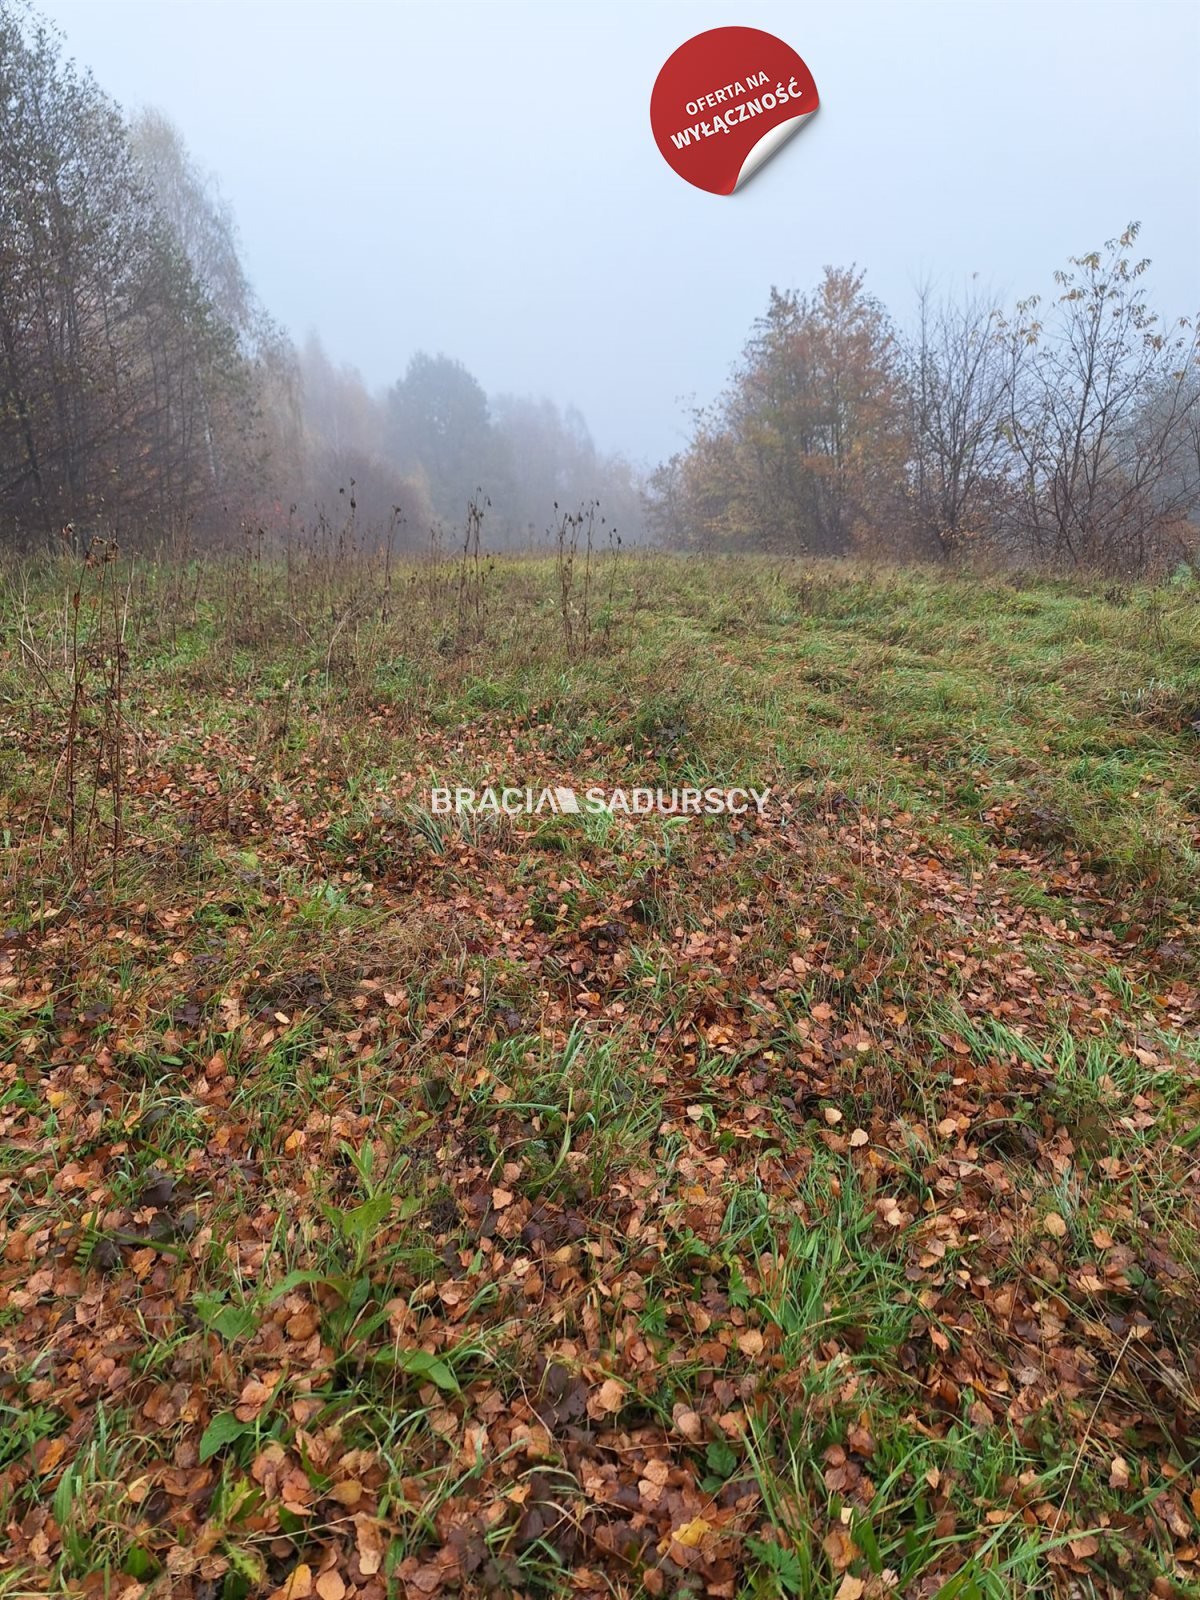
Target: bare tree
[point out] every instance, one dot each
(957, 396)
(1091, 462)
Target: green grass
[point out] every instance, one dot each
(762, 1204)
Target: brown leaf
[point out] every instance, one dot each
(609, 1397)
(48, 1454)
(689, 1424)
(369, 1542)
(253, 1398)
(298, 1586)
(840, 1548)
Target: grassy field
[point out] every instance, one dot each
(402, 1204)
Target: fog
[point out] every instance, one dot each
(481, 180)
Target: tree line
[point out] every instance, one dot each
(1063, 431)
(435, 442)
(146, 394)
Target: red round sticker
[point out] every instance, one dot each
(725, 102)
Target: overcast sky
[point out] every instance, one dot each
(481, 178)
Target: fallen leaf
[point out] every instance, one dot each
(610, 1396)
(298, 1585)
(689, 1425)
(369, 1542)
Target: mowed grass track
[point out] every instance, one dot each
(397, 1204)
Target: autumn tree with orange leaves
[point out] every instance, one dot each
(807, 450)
